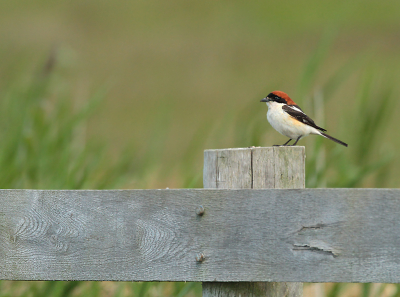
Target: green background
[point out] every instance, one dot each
(128, 94)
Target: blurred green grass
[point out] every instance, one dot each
(200, 60)
(182, 77)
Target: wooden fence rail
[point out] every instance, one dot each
(309, 235)
(243, 235)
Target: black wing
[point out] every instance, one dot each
(300, 116)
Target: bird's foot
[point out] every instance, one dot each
(284, 145)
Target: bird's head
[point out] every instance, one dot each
(278, 97)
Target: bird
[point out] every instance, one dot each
(286, 117)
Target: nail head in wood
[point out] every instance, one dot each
(200, 210)
(200, 257)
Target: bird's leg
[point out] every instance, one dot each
(286, 143)
(283, 144)
(298, 138)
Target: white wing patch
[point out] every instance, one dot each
(296, 108)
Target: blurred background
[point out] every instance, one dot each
(128, 94)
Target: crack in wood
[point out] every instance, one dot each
(306, 247)
(318, 226)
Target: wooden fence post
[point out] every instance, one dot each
(254, 168)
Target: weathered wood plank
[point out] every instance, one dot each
(256, 168)
(232, 169)
(303, 235)
(228, 169)
(289, 163)
(263, 168)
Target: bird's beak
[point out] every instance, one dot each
(266, 99)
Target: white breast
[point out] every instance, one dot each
(285, 124)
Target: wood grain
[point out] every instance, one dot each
(228, 169)
(292, 235)
(255, 168)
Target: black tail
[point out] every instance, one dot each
(334, 139)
